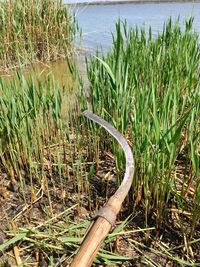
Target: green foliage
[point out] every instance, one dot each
(149, 89)
(30, 119)
(34, 30)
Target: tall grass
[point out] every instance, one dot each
(33, 30)
(149, 89)
(146, 87)
(36, 142)
(29, 118)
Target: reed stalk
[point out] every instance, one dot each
(148, 88)
(33, 30)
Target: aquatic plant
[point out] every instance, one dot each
(33, 30)
(148, 88)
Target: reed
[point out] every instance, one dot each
(29, 119)
(35, 140)
(33, 30)
(148, 88)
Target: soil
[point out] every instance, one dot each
(46, 213)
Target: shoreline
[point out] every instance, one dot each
(121, 2)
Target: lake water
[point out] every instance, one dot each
(98, 21)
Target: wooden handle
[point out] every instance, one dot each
(106, 215)
(91, 243)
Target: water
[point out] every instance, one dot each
(97, 22)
